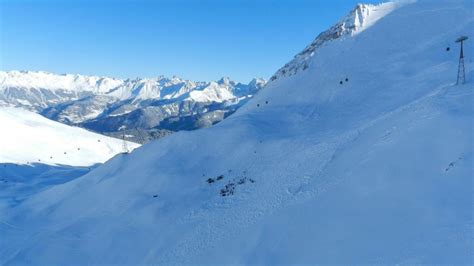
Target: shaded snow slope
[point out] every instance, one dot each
(27, 137)
(376, 170)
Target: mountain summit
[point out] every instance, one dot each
(362, 17)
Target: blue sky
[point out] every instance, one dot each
(197, 40)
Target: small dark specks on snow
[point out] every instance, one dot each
(210, 180)
(266, 102)
(452, 164)
(65, 153)
(258, 105)
(229, 189)
(447, 49)
(347, 79)
(340, 82)
(220, 177)
(78, 149)
(155, 196)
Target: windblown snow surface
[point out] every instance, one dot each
(375, 170)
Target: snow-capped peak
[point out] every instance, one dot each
(257, 82)
(362, 17)
(226, 81)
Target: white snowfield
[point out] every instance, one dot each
(376, 170)
(29, 138)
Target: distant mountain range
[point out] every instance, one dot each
(141, 108)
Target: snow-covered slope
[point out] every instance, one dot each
(29, 138)
(376, 170)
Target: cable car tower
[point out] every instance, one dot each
(461, 70)
(124, 144)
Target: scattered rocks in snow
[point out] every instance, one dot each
(155, 196)
(229, 188)
(212, 180)
(447, 49)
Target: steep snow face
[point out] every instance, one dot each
(359, 19)
(29, 138)
(364, 158)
